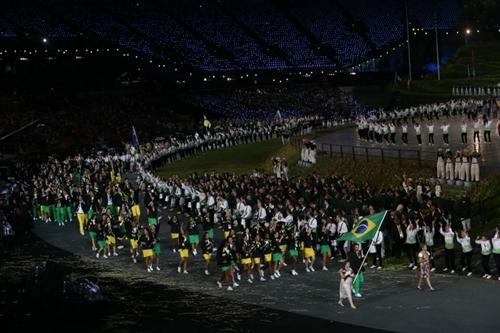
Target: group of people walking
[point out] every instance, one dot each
(383, 127)
(264, 223)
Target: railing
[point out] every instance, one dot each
(381, 153)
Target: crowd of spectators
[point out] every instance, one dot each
(330, 102)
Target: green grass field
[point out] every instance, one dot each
(244, 159)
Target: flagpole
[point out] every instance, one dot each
(408, 40)
(368, 252)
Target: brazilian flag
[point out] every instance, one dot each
(365, 228)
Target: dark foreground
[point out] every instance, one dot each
(130, 302)
(160, 300)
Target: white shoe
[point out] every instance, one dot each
(445, 269)
(499, 278)
(373, 266)
(157, 268)
(97, 255)
(238, 276)
(148, 270)
(278, 273)
(109, 254)
(185, 272)
(284, 264)
(414, 267)
(452, 271)
(262, 279)
(410, 266)
(324, 268)
(229, 288)
(207, 272)
(195, 252)
(307, 269)
(119, 247)
(174, 250)
(179, 269)
(250, 281)
(105, 256)
(219, 284)
(294, 272)
(463, 269)
(115, 254)
(358, 295)
(379, 267)
(134, 260)
(235, 284)
(272, 277)
(311, 268)
(488, 277)
(469, 274)
(433, 269)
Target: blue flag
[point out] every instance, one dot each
(135, 139)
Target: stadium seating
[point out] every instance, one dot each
(385, 23)
(272, 25)
(443, 14)
(221, 35)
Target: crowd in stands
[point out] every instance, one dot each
(385, 23)
(220, 36)
(332, 103)
(35, 20)
(327, 24)
(165, 30)
(276, 29)
(107, 119)
(90, 121)
(430, 14)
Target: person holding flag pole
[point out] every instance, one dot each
(134, 149)
(364, 229)
(135, 139)
(206, 123)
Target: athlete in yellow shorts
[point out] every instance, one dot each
(147, 242)
(207, 246)
(256, 254)
(147, 253)
(136, 211)
(308, 250)
(183, 252)
(134, 236)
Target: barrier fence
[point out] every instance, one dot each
(381, 153)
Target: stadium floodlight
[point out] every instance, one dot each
(467, 31)
(44, 40)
